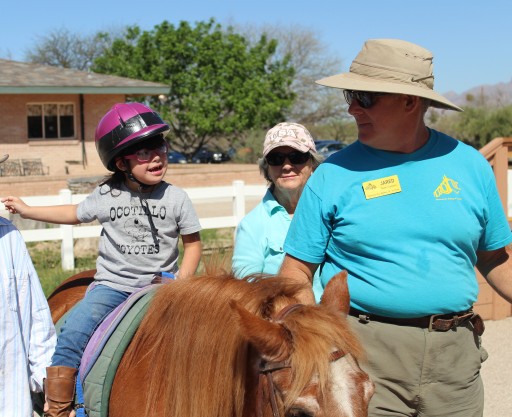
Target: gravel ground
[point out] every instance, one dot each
(497, 369)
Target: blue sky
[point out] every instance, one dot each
(470, 40)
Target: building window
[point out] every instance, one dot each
(51, 121)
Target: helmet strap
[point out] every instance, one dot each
(142, 187)
(154, 230)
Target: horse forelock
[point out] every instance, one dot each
(189, 335)
(316, 332)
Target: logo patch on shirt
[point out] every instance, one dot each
(447, 187)
(381, 187)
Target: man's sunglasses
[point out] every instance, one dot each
(366, 99)
(296, 158)
(146, 154)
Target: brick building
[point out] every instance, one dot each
(48, 115)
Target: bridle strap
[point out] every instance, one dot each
(272, 395)
(287, 310)
(259, 398)
(337, 354)
(266, 369)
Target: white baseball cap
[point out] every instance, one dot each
(289, 134)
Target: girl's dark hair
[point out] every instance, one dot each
(117, 178)
(114, 180)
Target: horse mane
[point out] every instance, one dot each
(199, 361)
(316, 331)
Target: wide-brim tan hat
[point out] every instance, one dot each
(392, 66)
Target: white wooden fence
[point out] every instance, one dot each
(238, 192)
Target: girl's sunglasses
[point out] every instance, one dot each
(296, 158)
(365, 99)
(146, 154)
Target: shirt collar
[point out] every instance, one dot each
(271, 204)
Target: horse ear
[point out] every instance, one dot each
(336, 293)
(270, 339)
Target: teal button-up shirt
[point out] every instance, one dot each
(260, 238)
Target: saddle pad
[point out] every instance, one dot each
(98, 382)
(105, 329)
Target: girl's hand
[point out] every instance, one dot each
(14, 205)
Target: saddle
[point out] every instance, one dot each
(106, 347)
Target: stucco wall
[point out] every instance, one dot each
(62, 157)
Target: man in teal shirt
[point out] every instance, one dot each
(408, 212)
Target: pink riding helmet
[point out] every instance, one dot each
(124, 125)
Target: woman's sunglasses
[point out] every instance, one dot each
(146, 154)
(296, 158)
(366, 99)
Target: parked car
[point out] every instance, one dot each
(175, 157)
(207, 156)
(328, 147)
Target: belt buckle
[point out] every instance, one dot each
(431, 322)
(447, 324)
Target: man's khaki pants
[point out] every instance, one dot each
(421, 373)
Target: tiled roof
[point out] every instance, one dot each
(25, 78)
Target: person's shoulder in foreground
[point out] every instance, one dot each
(25, 320)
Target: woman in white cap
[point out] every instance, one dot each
(409, 212)
(289, 159)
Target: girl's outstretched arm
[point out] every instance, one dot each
(61, 214)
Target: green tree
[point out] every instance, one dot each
(220, 86)
(477, 126)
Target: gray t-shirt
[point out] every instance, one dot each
(138, 242)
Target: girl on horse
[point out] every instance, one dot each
(142, 218)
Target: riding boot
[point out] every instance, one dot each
(59, 388)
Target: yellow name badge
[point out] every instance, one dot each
(381, 187)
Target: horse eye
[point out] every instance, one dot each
(298, 413)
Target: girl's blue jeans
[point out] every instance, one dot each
(81, 322)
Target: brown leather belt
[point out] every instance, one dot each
(435, 322)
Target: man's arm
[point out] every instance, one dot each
(496, 267)
(301, 272)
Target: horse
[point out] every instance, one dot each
(220, 346)
(68, 293)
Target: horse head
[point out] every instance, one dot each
(307, 362)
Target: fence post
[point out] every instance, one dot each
(66, 249)
(238, 201)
